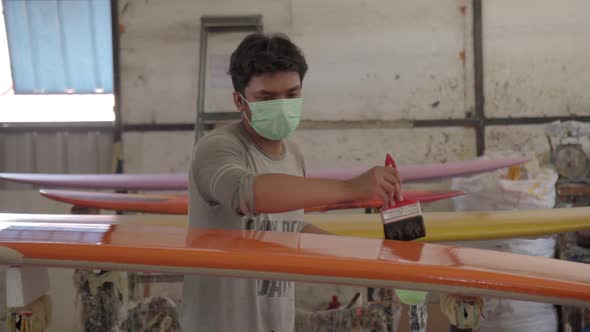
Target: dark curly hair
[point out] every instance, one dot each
(260, 54)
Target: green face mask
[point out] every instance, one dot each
(275, 119)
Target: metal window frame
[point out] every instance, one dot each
(116, 126)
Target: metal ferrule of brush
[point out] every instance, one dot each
(400, 213)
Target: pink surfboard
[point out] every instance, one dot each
(179, 181)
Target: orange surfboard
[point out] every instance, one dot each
(297, 257)
(178, 203)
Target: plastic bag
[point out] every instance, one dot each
(494, 191)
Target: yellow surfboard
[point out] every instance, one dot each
(440, 226)
(466, 226)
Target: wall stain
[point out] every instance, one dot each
(463, 9)
(462, 56)
(125, 7)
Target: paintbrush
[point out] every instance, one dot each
(404, 220)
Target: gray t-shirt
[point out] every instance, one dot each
(224, 166)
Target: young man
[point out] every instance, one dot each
(249, 176)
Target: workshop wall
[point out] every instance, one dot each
(377, 60)
(368, 60)
(535, 56)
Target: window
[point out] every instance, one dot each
(56, 61)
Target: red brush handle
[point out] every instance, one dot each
(389, 161)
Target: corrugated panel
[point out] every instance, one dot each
(60, 46)
(55, 153)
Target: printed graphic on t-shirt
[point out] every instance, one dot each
(273, 288)
(293, 226)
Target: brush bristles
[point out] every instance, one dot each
(408, 229)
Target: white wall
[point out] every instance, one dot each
(536, 58)
(368, 60)
(377, 60)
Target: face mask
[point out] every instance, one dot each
(275, 119)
